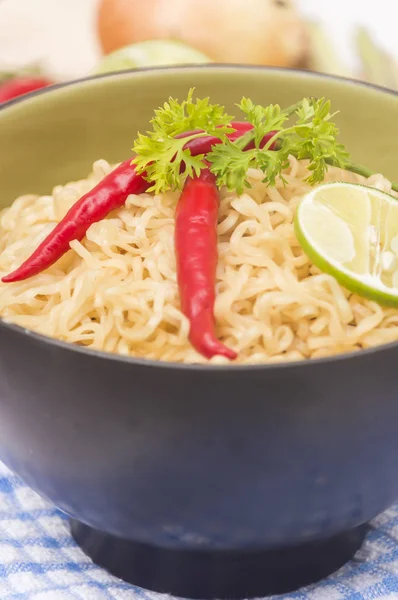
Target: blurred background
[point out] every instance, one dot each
(54, 40)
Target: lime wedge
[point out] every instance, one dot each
(150, 54)
(351, 232)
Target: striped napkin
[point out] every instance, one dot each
(39, 560)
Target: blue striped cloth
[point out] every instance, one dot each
(40, 561)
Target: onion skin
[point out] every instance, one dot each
(263, 32)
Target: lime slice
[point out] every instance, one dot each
(351, 232)
(150, 54)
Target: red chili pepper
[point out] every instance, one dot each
(94, 206)
(109, 194)
(205, 144)
(19, 86)
(196, 255)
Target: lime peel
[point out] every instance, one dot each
(151, 53)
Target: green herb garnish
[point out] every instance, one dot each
(162, 155)
(166, 160)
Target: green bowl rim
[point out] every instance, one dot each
(149, 363)
(194, 66)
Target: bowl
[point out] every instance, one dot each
(201, 481)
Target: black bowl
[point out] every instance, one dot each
(195, 480)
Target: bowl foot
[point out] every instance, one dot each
(218, 574)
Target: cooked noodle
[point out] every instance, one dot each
(116, 290)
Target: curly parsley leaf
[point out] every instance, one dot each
(230, 164)
(163, 156)
(177, 117)
(313, 136)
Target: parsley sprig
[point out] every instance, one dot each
(167, 161)
(313, 137)
(162, 155)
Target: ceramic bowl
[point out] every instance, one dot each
(175, 474)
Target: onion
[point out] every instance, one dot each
(236, 31)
